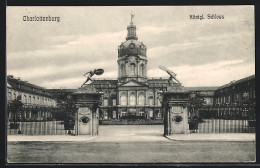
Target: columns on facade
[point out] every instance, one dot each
(119, 70)
(127, 99)
(146, 97)
(154, 102)
(136, 97)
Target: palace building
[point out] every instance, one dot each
(133, 93)
(236, 92)
(37, 101)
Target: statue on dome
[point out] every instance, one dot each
(172, 74)
(132, 17)
(92, 73)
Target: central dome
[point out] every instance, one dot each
(131, 47)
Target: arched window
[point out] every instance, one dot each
(132, 69)
(122, 69)
(141, 99)
(151, 101)
(132, 99)
(142, 70)
(123, 99)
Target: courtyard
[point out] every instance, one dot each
(130, 144)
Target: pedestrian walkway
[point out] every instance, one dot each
(63, 138)
(213, 137)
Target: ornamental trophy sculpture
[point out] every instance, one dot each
(92, 73)
(172, 74)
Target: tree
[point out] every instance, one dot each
(69, 109)
(15, 107)
(195, 103)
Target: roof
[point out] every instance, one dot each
(62, 90)
(105, 82)
(206, 88)
(24, 86)
(232, 83)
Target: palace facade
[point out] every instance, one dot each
(37, 101)
(236, 92)
(133, 93)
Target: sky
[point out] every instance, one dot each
(208, 52)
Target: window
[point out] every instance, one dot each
(151, 113)
(122, 69)
(246, 95)
(105, 115)
(123, 113)
(142, 70)
(9, 96)
(238, 97)
(30, 101)
(132, 100)
(159, 103)
(132, 69)
(159, 114)
(25, 99)
(105, 102)
(141, 113)
(114, 114)
(141, 100)
(114, 102)
(123, 100)
(14, 95)
(151, 101)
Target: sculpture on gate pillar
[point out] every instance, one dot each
(172, 74)
(92, 73)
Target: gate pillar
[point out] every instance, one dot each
(175, 111)
(87, 101)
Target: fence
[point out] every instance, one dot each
(225, 126)
(39, 128)
(226, 119)
(40, 121)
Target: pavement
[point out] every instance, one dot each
(135, 137)
(213, 137)
(131, 133)
(71, 138)
(131, 144)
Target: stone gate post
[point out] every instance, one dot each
(87, 101)
(175, 110)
